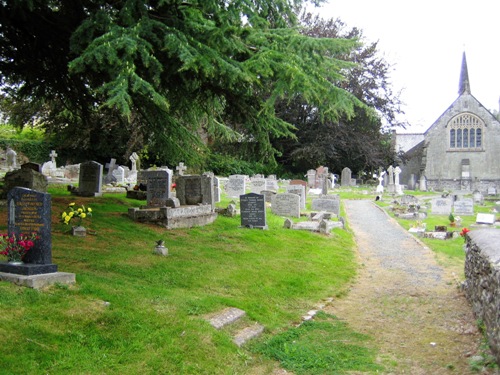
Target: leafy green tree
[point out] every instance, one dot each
(360, 141)
(108, 77)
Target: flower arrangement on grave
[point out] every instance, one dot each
(451, 218)
(464, 232)
(16, 247)
(77, 213)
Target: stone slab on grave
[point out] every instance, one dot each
(441, 206)
(257, 185)
(253, 211)
(300, 191)
(463, 207)
(29, 211)
(326, 204)
(286, 205)
(90, 179)
(158, 183)
(483, 218)
(236, 186)
(39, 281)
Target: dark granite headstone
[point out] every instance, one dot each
(90, 180)
(34, 166)
(253, 211)
(30, 211)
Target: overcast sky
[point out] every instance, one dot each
(424, 41)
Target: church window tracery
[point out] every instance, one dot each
(466, 133)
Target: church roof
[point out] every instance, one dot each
(406, 141)
(464, 84)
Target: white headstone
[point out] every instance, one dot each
(235, 185)
(441, 206)
(483, 218)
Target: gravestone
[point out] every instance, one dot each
(119, 175)
(390, 185)
(26, 178)
(286, 205)
(257, 185)
(235, 186)
(193, 190)
(216, 189)
(158, 183)
(29, 211)
(181, 168)
(478, 197)
(397, 186)
(483, 218)
(441, 206)
(253, 211)
(311, 178)
(271, 183)
(90, 179)
(134, 158)
(422, 184)
(33, 166)
(346, 177)
(492, 190)
(268, 195)
(300, 190)
(328, 203)
(11, 157)
(300, 182)
(464, 207)
(411, 182)
(110, 167)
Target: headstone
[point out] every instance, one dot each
(235, 186)
(268, 195)
(411, 182)
(492, 190)
(33, 166)
(286, 205)
(464, 207)
(53, 156)
(483, 218)
(326, 203)
(110, 167)
(134, 158)
(345, 180)
(181, 168)
(478, 197)
(119, 175)
(48, 168)
(158, 183)
(26, 178)
(311, 178)
(300, 190)
(422, 185)
(299, 182)
(216, 189)
(397, 186)
(11, 157)
(253, 211)
(271, 183)
(90, 179)
(441, 206)
(29, 211)
(257, 185)
(193, 190)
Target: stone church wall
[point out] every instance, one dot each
(482, 282)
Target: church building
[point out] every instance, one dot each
(460, 151)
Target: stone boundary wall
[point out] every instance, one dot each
(450, 185)
(482, 282)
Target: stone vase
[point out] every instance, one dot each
(79, 231)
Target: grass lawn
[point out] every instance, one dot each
(135, 312)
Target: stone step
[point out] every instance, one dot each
(225, 317)
(247, 333)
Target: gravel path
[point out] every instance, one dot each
(405, 300)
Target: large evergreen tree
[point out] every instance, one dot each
(108, 77)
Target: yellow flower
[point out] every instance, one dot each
(64, 215)
(80, 210)
(82, 215)
(71, 214)
(67, 219)
(72, 204)
(89, 209)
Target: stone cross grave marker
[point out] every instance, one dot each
(180, 169)
(110, 167)
(253, 211)
(53, 156)
(286, 205)
(134, 158)
(90, 179)
(29, 211)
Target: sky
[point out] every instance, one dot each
(424, 41)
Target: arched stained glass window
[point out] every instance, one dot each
(466, 132)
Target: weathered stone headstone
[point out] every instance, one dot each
(286, 205)
(441, 206)
(328, 203)
(110, 167)
(235, 186)
(26, 178)
(29, 211)
(193, 190)
(257, 185)
(397, 186)
(422, 184)
(90, 179)
(271, 183)
(492, 190)
(483, 218)
(119, 175)
(268, 195)
(33, 166)
(464, 207)
(346, 177)
(181, 168)
(478, 197)
(300, 190)
(158, 183)
(216, 189)
(411, 182)
(134, 158)
(11, 157)
(311, 178)
(253, 211)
